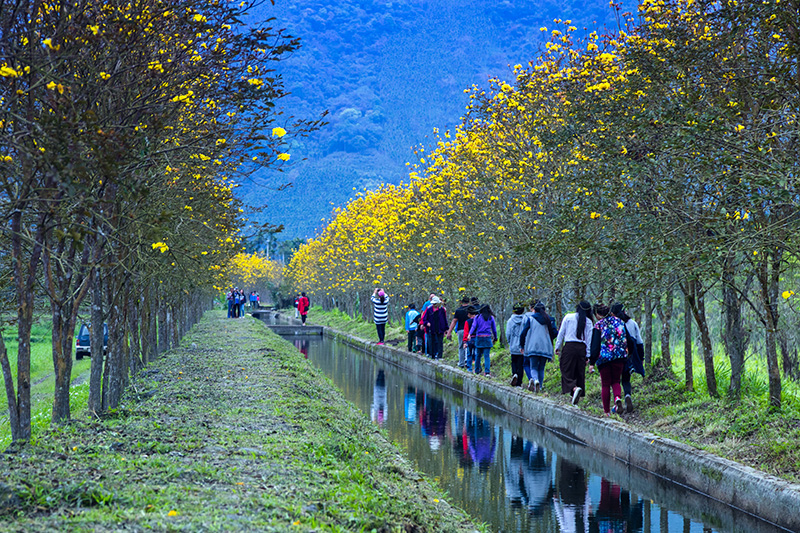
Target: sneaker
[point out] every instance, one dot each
(576, 395)
(537, 387)
(617, 405)
(380, 344)
(488, 375)
(531, 386)
(514, 380)
(628, 404)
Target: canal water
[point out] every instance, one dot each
(509, 473)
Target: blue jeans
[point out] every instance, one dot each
(482, 352)
(462, 352)
(536, 364)
(230, 308)
(470, 357)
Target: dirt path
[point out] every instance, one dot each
(239, 434)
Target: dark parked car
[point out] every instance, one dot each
(82, 345)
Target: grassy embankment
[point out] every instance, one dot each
(746, 432)
(42, 379)
(232, 431)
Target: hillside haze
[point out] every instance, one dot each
(388, 72)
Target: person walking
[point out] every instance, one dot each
(380, 312)
(609, 352)
(425, 334)
(468, 343)
(412, 323)
(635, 353)
(537, 339)
(303, 303)
(296, 312)
(513, 331)
(575, 336)
(457, 323)
(436, 325)
(230, 297)
(484, 331)
(242, 302)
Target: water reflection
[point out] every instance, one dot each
(511, 474)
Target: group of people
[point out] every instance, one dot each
(301, 306)
(474, 325)
(594, 337)
(602, 337)
(237, 300)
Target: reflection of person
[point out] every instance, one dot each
(410, 405)
(461, 445)
(378, 408)
(433, 420)
(513, 475)
(302, 346)
(614, 512)
(482, 442)
(536, 477)
(571, 502)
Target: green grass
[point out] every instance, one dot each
(223, 437)
(749, 431)
(42, 379)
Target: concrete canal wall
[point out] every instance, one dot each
(744, 488)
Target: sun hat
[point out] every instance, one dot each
(435, 300)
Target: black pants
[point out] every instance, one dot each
(412, 339)
(381, 331)
(437, 345)
(517, 367)
(303, 318)
(573, 367)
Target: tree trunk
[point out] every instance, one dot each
(688, 357)
(113, 390)
(163, 336)
(8, 381)
(665, 316)
(696, 297)
(648, 331)
(24, 282)
(791, 364)
(769, 278)
(96, 344)
(733, 336)
(134, 347)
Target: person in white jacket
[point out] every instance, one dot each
(575, 335)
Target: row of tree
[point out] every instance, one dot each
(662, 157)
(123, 128)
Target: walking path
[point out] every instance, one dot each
(233, 431)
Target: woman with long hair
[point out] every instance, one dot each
(575, 335)
(609, 351)
(484, 331)
(635, 353)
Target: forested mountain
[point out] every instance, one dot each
(389, 72)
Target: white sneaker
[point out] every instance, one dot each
(537, 386)
(576, 395)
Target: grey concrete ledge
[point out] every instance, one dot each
(765, 496)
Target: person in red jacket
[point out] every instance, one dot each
(302, 307)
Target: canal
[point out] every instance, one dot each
(510, 473)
